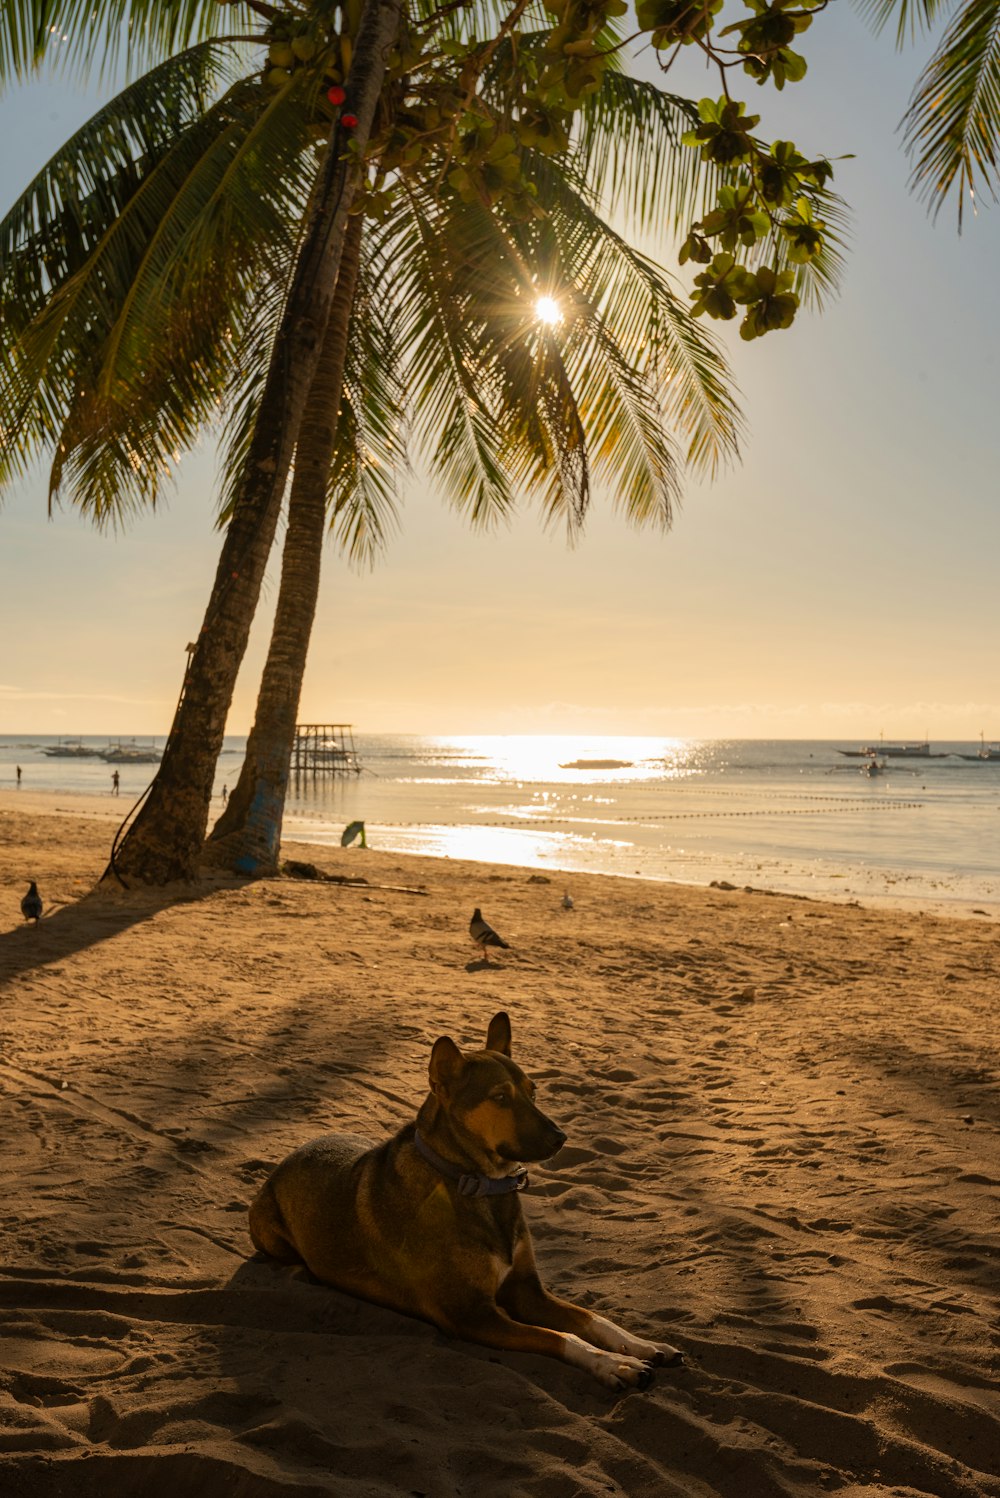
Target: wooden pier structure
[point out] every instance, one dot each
(324, 749)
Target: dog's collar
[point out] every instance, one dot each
(469, 1183)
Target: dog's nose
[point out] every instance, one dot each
(556, 1139)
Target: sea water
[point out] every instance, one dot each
(788, 815)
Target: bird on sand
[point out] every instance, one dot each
(31, 905)
(567, 901)
(483, 935)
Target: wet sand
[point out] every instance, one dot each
(784, 1157)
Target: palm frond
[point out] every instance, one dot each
(244, 388)
(452, 420)
(143, 332)
(370, 454)
(637, 301)
(952, 125)
(63, 212)
(84, 35)
(625, 378)
(627, 145)
(911, 15)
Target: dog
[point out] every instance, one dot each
(430, 1222)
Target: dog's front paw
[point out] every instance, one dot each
(620, 1372)
(660, 1354)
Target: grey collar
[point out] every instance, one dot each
(470, 1183)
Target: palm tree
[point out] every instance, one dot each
(196, 169)
(200, 189)
(464, 283)
(499, 405)
(164, 842)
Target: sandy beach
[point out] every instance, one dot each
(783, 1157)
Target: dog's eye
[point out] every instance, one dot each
(502, 1099)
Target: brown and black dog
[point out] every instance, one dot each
(430, 1222)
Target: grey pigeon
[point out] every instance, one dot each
(31, 905)
(483, 935)
(567, 901)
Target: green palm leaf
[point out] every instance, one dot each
(638, 302)
(953, 121)
(912, 15)
(140, 337)
(628, 145)
(85, 34)
(451, 419)
(244, 388)
(371, 452)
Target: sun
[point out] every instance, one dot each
(547, 310)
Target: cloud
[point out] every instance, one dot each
(11, 694)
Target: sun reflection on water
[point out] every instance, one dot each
(569, 758)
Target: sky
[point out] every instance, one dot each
(838, 583)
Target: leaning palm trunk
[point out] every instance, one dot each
(247, 835)
(165, 841)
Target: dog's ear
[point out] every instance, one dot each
(498, 1034)
(445, 1066)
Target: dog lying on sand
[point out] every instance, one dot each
(430, 1222)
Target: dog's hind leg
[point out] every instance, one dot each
(267, 1227)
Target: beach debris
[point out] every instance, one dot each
(539, 879)
(293, 869)
(721, 884)
(483, 935)
(31, 904)
(567, 901)
(350, 832)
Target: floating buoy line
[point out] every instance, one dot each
(670, 816)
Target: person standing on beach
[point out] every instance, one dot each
(18, 769)
(115, 778)
(225, 794)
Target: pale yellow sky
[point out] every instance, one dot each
(838, 584)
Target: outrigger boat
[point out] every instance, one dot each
(894, 751)
(130, 754)
(986, 751)
(68, 749)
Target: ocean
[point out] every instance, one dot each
(790, 815)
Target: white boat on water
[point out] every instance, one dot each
(68, 749)
(894, 751)
(130, 754)
(986, 751)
